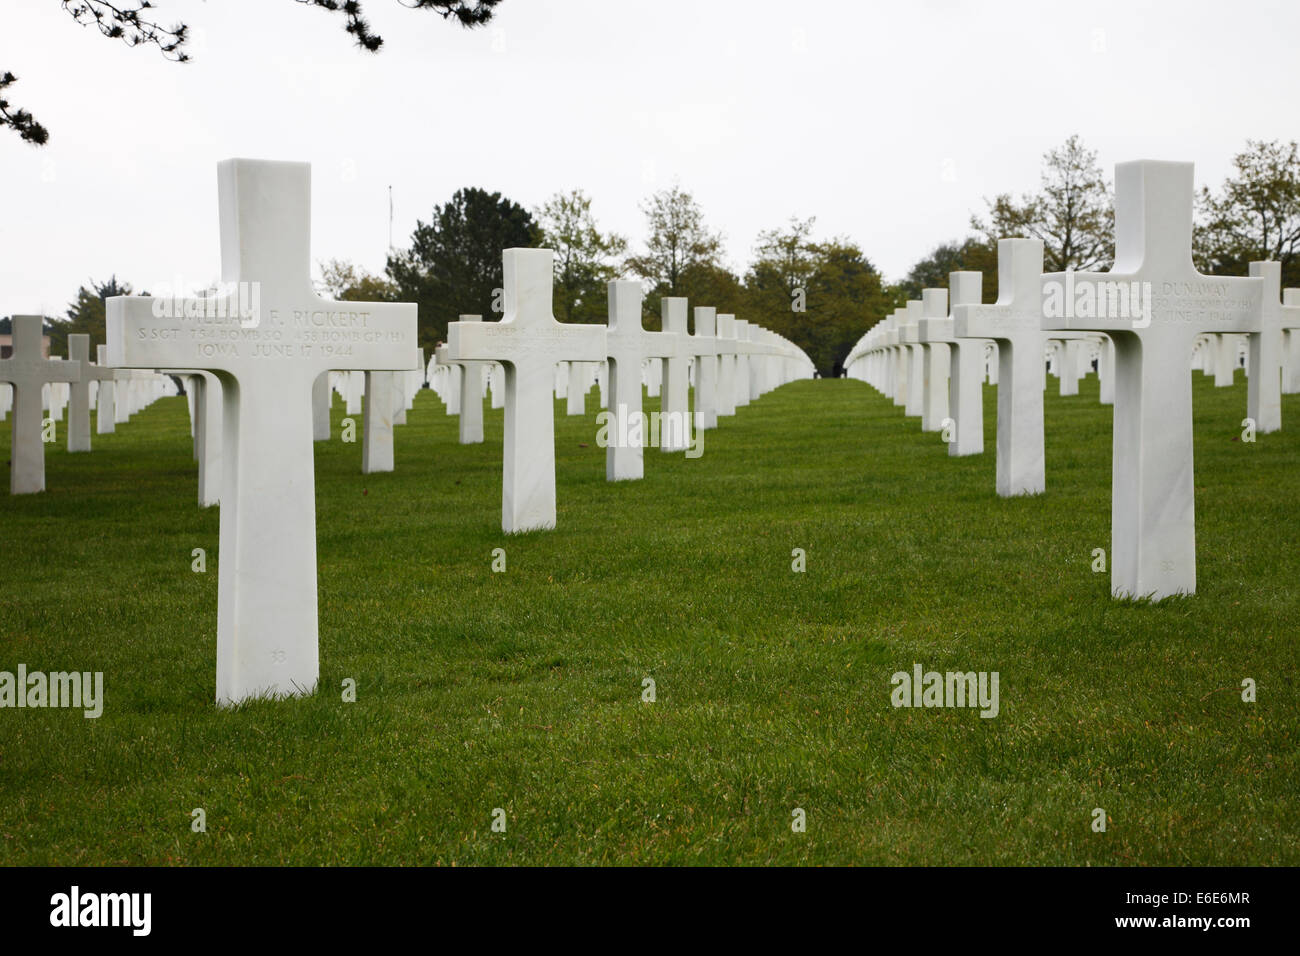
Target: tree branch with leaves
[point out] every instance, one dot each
(134, 25)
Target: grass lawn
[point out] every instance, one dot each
(522, 690)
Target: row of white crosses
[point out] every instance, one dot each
(34, 382)
(726, 341)
(528, 342)
(271, 368)
(1144, 364)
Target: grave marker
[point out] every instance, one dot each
(1014, 322)
(79, 395)
(705, 346)
(267, 363)
(675, 402)
(28, 371)
(1264, 386)
(528, 341)
(1153, 528)
(628, 345)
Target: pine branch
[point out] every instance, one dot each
(129, 25)
(21, 121)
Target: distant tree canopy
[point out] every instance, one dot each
(453, 264)
(585, 258)
(820, 294)
(1073, 212)
(1255, 215)
(678, 244)
(970, 255)
(133, 23)
(85, 315)
(347, 283)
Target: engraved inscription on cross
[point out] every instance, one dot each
(1153, 530)
(528, 341)
(28, 371)
(266, 363)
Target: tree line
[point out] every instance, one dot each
(822, 294)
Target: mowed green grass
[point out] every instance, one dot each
(523, 690)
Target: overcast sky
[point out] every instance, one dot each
(889, 122)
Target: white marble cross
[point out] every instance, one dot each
(704, 342)
(902, 358)
(528, 341)
(377, 422)
(1153, 528)
(965, 387)
(727, 346)
(106, 398)
(936, 361)
(28, 371)
(1014, 322)
(1106, 372)
(470, 420)
(1290, 341)
(580, 379)
(675, 399)
(914, 399)
(125, 389)
(743, 349)
(1225, 360)
(1067, 366)
(353, 382)
(206, 417)
(627, 345)
(267, 362)
(451, 384)
(1264, 388)
(79, 394)
(497, 381)
(322, 394)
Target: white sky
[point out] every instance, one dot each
(887, 121)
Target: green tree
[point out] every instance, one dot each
(710, 284)
(776, 285)
(846, 296)
(1073, 212)
(678, 241)
(585, 258)
(85, 314)
(820, 295)
(346, 282)
(1255, 215)
(971, 255)
(453, 265)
